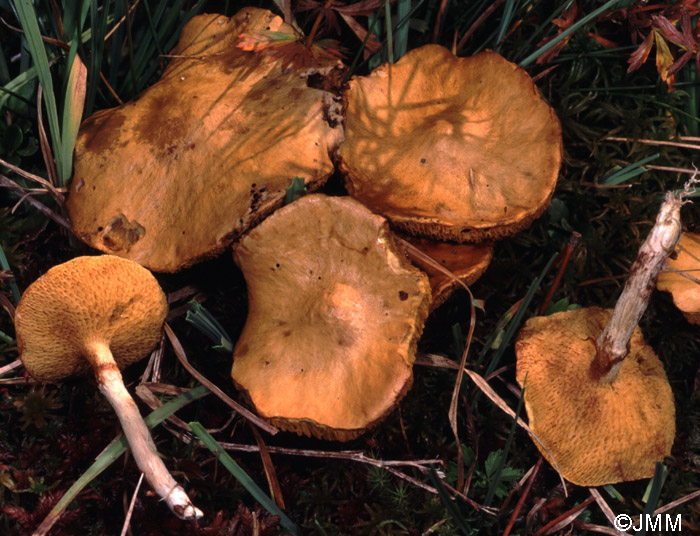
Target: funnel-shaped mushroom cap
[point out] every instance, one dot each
(335, 312)
(598, 432)
(204, 154)
(88, 299)
(454, 148)
(467, 262)
(685, 291)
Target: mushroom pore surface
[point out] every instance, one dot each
(598, 432)
(102, 299)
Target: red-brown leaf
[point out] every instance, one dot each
(640, 55)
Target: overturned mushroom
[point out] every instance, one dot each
(452, 148)
(100, 313)
(596, 395)
(205, 153)
(335, 312)
(681, 278)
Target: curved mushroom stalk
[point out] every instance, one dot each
(143, 449)
(102, 313)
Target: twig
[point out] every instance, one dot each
(180, 353)
(50, 188)
(522, 498)
(677, 502)
(674, 169)
(46, 151)
(121, 21)
(565, 519)
(129, 512)
(656, 142)
(481, 383)
(11, 185)
(607, 511)
(564, 256)
(477, 23)
(11, 366)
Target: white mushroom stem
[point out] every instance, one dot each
(109, 380)
(613, 343)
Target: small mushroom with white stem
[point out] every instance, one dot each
(596, 395)
(102, 313)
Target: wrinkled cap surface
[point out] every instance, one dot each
(685, 291)
(208, 151)
(459, 149)
(103, 298)
(599, 433)
(335, 312)
(467, 262)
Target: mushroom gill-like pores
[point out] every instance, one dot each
(680, 278)
(460, 149)
(100, 313)
(207, 152)
(335, 312)
(597, 432)
(596, 395)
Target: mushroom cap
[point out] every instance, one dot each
(460, 149)
(335, 312)
(205, 153)
(466, 261)
(598, 433)
(103, 298)
(685, 292)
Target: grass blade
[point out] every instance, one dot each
(566, 33)
(72, 113)
(295, 190)
(619, 175)
(240, 475)
(27, 17)
(389, 32)
(651, 496)
(508, 12)
(496, 480)
(205, 322)
(517, 318)
(16, 294)
(403, 10)
(114, 451)
(449, 504)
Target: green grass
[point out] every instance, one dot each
(608, 192)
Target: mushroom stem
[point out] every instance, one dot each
(110, 383)
(613, 343)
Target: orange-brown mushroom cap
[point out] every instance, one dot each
(598, 433)
(335, 312)
(87, 299)
(685, 291)
(467, 262)
(205, 153)
(459, 149)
